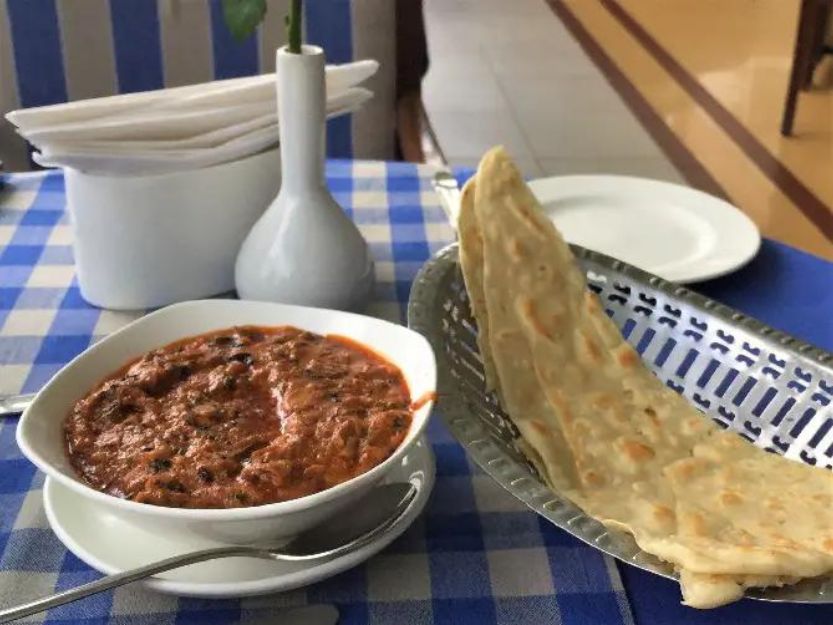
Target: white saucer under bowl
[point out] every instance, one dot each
(110, 545)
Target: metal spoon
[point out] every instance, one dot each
(446, 187)
(14, 404)
(370, 519)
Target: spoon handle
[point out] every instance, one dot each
(14, 404)
(119, 579)
(446, 187)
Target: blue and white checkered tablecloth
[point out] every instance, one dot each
(475, 556)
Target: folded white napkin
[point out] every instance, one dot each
(174, 129)
(118, 161)
(232, 91)
(204, 140)
(149, 126)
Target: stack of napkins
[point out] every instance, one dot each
(174, 129)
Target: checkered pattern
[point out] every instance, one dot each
(476, 555)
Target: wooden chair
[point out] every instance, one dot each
(813, 18)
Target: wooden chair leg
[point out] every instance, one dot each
(819, 18)
(802, 61)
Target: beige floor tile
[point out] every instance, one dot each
(467, 134)
(443, 87)
(550, 93)
(511, 74)
(536, 61)
(551, 132)
(453, 34)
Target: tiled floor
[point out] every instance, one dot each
(707, 77)
(509, 73)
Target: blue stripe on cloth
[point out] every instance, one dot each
(451, 459)
(137, 45)
(73, 572)
(454, 493)
(8, 443)
(37, 52)
(459, 574)
(436, 430)
(73, 300)
(556, 537)
(232, 58)
(579, 569)
(342, 191)
(202, 612)
(32, 549)
(329, 25)
(47, 217)
(69, 322)
(353, 613)
(51, 190)
(475, 611)
(40, 375)
(589, 608)
(656, 600)
(447, 532)
(15, 475)
(73, 564)
(510, 530)
(347, 587)
(61, 349)
(403, 209)
(26, 255)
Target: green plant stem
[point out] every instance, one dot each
(294, 27)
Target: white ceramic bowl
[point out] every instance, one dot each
(40, 432)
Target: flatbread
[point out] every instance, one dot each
(756, 511)
(546, 449)
(471, 262)
(605, 431)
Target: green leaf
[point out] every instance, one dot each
(243, 16)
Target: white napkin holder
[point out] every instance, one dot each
(148, 241)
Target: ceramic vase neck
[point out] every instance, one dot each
(301, 107)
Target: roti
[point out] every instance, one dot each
(606, 433)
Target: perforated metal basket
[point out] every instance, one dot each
(769, 387)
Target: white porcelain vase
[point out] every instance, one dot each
(304, 249)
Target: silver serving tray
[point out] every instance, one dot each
(772, 389)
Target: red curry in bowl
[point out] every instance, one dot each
(239, 417)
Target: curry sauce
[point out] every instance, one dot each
(239, 417)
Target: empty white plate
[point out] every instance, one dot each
(110, 545)
(675, 232)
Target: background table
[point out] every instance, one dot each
(475, 556)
